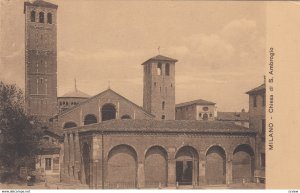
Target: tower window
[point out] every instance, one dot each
(263, 100)
(32, 16)
(47, 163)
(159, 69)
(163, 117)
(163, 105)
(41, 81)
(154, 83)
(49, 18)
(167, 69)
(41, 17)
(254, 101)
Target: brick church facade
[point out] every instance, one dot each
(109, 141)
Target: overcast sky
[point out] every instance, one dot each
(220, 47)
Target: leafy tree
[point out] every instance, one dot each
(19, 133)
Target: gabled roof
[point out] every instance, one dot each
(233, 116)
(261, 88)
(152, 125)
(75, 94)
(103, 93)
(160, 58)
(195, 102)
(39, 3)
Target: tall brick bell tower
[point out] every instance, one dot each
(159, 87)
(40, 59)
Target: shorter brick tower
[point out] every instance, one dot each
(159, 87)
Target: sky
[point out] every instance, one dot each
(219, 45)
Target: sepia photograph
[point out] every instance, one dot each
(134, 95)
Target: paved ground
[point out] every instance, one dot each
(80, 186)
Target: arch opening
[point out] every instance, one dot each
(215, 168)
(205, 116)
(243, 164)
(90, 119)
(126, 117)
(187, 160)
(108, 112)
(41, 17)
(156, 167)
(32, 16)
(69, 125)
(49, 18)
(121, 167)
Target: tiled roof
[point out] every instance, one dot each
(233, 116)
(160, 58)
(40, 3)
(152, 125)
(257, 89)
(198, 102)
(75, 94)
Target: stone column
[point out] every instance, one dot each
(229, 169)
(77, 156)
(66, 155)
(171, 172)
(72, 161)
(202, 165)
(140, 175)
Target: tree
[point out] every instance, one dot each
(19, 133)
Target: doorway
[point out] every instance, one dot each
(184, 172)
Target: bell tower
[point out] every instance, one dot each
(159, 87)
(40, 59)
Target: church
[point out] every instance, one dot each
(108, 141)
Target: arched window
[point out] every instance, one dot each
(41, 17)
(49, 18)
(90, 119)
(205, 116)
(167, 69)
(108, 112)
(69, 125)
(159, 69)
(254, 101)
(163, 105)
(32, 16)
(125, 117)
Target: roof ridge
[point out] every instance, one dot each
(195, 102)
(162, 58)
